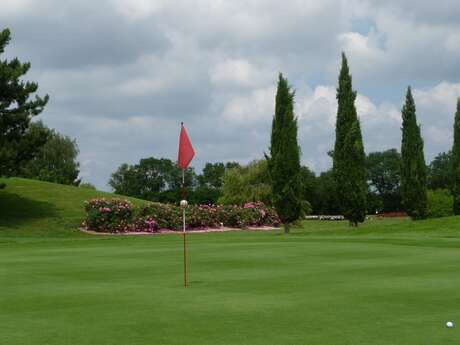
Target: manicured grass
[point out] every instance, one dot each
(387, 282)
(41, 209)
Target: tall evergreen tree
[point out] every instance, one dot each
(413, 167)
(17, 144)
(349, 160)
(354, 203)
(284, 160)
(456, 161)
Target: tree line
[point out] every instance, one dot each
(356, 185)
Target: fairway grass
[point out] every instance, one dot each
(387, 282)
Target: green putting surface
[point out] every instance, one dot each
(387, 282)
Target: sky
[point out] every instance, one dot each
(123, 74)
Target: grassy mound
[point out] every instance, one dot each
(36, 208)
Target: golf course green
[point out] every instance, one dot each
(387, 282)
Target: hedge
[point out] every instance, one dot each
(115, 215)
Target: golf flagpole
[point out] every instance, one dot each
(185, 156)
(183, 206)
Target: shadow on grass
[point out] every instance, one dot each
(16, 210)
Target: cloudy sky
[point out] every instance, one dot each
(123, 74)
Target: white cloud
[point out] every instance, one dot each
(247, 110)
(238, 73)
(138, 9)
(123, 74)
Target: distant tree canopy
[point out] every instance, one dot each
(440, 173)
(152, 179)
(325, 200)
(55, 161)
(18, 144)
(384, 176)
(161, 180)
(248, 183)
(210, 183)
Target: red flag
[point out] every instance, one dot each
(186, 151)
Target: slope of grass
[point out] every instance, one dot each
(387, 282)
(34, 208)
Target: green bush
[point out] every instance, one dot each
(440, 203)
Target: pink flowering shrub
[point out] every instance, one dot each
(202, 216)
(109, 215)
(113, 215)
(251, 214)
(146, 224)
(167, 216)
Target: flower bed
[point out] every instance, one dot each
(115, 215)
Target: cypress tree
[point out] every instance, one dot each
(413, 167)
(284, 160)
(349, 157)
(456, 161)
(354, 187)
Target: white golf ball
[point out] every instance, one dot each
(449, 324)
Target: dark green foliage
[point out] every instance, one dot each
(348, 157)
(413, 168)
(308, 181)
(56, 161)
(456, 161)
(161, 180)
(284, 160)
(354, 187)
(383, 176)
(210, 182)
(152, 179)
(440, 173)
(326, 201)
(17, 144)
(212, 176)
(309, 189)
(440, 203)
